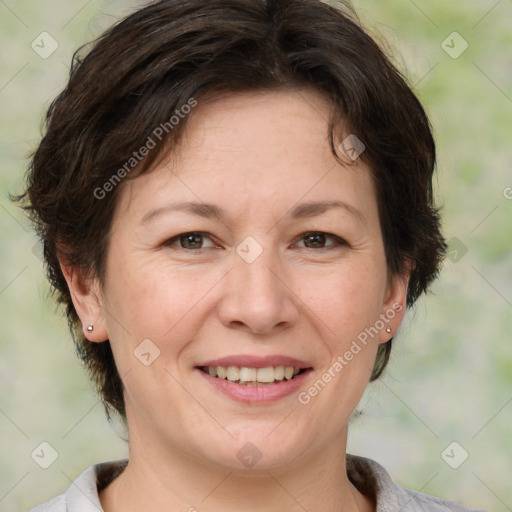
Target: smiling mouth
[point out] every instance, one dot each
(253, 376)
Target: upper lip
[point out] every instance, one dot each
(250, 361)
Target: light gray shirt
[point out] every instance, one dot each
(369, 477)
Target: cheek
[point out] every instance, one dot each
(138, 292)
(345, 297)
(347, 304)
(148, 300)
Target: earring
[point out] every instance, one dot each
(388, 329)
(90, 328)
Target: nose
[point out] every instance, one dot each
(258, 297)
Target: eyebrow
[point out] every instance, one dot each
(208, 211)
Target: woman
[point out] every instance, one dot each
(235, 200)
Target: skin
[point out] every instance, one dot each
(256, 155)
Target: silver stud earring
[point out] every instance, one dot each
(90, 328)
(388, 329)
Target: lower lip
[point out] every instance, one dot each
(266, 393)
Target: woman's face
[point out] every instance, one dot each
(227, 256)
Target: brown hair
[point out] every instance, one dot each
(143, 70)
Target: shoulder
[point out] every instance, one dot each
(367, 475)
(57, 504)
(82, 495)
(373, 480)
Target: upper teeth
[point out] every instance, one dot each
(243, 374)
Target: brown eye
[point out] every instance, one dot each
(318, 239)
(315, 240)
(190, 241)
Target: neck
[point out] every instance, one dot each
(175, 481)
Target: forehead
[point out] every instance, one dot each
(252, 149)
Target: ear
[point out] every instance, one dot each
(86, 297)
(393, 309)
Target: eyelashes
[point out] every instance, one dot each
(317, 237)
(190, 238)
(193, 241)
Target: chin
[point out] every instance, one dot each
(253, 450)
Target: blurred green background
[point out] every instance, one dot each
(450, 375)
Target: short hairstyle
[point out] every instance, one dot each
(131, 87)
